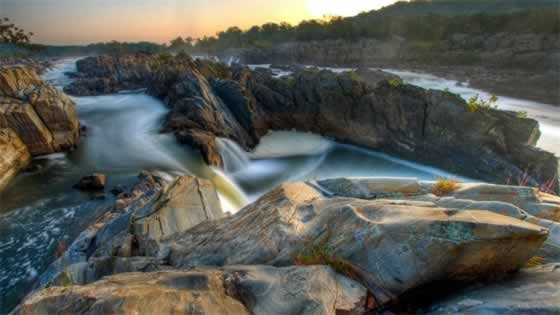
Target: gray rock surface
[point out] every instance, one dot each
(531, 291)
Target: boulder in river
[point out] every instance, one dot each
(95, 182)
(14, 158)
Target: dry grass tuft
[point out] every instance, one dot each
(535, 262)
(444, 187)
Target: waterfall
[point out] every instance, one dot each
(234, 158)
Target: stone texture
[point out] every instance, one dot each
(532, 291)
(393, 245)
(14, 157)
(139, 293)
(258, 290)
(186, 203)
(44, 117)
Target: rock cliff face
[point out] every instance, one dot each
(520, 65)
(381, 239)
(433, 127)
(41, 115)
(14, 158)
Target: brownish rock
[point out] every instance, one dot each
(14, 157)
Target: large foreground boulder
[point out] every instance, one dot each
(392, 246)
(14, 157)
(233, 290)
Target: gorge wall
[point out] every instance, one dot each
(519, 65)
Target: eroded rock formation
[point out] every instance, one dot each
(41, 115)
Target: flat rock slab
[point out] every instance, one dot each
(531, 291)
(234, 290)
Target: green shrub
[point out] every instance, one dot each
(395, 82)
(476, 103)
(522, 114)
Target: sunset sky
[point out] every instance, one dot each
(87, 21)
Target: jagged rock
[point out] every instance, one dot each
(393, 245)
(23, 119)
(531, 291)
(232, 290)
(41, 115)
(186, 203)
(93, 182)
(14, 158)
(103, 233)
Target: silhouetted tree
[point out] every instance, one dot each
(10, 33)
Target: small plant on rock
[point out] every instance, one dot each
(319, 253)
(522, 114)
(444, 187)
(395, 82)
(476, 103)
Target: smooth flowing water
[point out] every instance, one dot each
(39, 210)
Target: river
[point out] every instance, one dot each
(39, 209)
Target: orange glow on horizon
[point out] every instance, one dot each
(89, 21)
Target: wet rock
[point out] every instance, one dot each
(531, 291)
(14, 158)
(95, 182)
(393, 245)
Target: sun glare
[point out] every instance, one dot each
(320, 8)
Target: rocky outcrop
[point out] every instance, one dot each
(43, 117)
(14, 157)
(532, 291)
(155, 207)
(433, 127)
(232, 290)
(382, 238)
(392, 246)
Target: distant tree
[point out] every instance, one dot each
(177, 43)
(10, 33)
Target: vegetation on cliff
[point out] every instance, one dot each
(419, 20)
